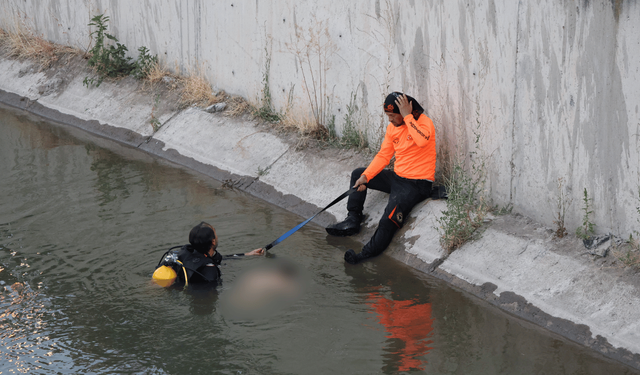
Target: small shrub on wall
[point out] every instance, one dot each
(111, 61)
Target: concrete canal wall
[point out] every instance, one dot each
(542, 90)
(549, 90)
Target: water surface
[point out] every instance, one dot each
(84, 221)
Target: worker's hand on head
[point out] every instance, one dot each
(404, 105)
(255, 252)
(360, 183)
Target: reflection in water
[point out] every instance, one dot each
(111, 178)
(203, 298)
(409, 325)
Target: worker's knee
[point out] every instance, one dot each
(390, 223)
(393, 217)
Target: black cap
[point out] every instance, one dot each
(390, 104)
(201, 236)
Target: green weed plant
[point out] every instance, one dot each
(352, 137)
(144, 63)
(588, 227)
(466, 205)
(111, 61)
(266, 111)
(466, 208)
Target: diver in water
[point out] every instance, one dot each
(195, 263)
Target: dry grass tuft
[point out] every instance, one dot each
(157, 73)
(304, 125)
(445, 162)
(298, 121)
(195, 90)
(24, 45)
(312, 48)
(236, 106)
(630, 257)
(160, 75)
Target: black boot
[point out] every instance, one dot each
(352, 258)
(347, 227)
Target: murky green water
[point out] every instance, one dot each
(84, 221)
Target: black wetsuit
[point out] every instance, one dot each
(200, 269)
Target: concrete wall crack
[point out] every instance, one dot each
(269, 166)
(512, 164)
(163, 124)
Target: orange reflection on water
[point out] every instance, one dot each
(407, 321)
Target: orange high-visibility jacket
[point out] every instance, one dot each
(414, 145)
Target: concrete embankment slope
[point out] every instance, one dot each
(515, 265)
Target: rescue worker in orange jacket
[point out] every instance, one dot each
(411, 137)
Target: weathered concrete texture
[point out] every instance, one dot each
(104, 106)
(24, 82)
(516, 264)
(567, 287)
(576, 103)
(251, 153)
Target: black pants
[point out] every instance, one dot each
(404, 194)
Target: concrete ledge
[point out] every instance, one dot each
(515, 264)
(565, 287)
(124, 135)
(14, 100)
(227, 143)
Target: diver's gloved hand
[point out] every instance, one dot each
(217, 258)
